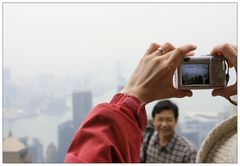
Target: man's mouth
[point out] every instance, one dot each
(164, 130)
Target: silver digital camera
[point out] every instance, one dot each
(203, 72)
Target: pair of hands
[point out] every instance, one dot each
(153, 77)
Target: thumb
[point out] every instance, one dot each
(225, 92)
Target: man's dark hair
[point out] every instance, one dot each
(165, 105)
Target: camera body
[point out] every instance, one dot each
(201, 72)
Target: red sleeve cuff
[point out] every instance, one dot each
(133, 104)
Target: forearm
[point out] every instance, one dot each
(111, 132)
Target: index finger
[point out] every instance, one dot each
(180, 52)
(152, 48)
(228, 52)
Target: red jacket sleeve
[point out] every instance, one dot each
(111, 133)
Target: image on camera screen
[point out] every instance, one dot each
(195, 74)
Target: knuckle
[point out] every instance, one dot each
(153, 44)
(226, 46)
(157, 61)
(180, 50)
(160, 62)
(168, 44)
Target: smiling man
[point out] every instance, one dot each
(164, 145)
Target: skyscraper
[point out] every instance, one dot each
(51, 154)
(34, 148)
(82, 104)
(65, 135)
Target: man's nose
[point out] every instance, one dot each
(164, 123)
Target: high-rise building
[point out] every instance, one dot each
(51, 154)
(14, 151)
(65, 134)
(35, 149)
(82, 104)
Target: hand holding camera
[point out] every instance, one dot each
(229, 52)
(153, 77)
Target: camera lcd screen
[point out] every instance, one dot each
(195, 74)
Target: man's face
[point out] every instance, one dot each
(165, 123)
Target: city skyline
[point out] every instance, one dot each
(70, 40)
(52, 51)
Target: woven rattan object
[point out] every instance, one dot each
(220, 146)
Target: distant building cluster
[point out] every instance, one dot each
(30, 150)
(23, 150)
(26, 150)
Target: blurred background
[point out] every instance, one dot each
(61, 59)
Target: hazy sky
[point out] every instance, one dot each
(80, 37)
(83, 38)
